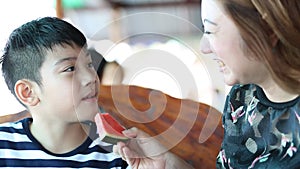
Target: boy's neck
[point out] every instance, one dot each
(59, 138)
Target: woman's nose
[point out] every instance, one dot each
(205, 46)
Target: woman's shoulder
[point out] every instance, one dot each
(242, 94)
(246, 94)
(243, 90)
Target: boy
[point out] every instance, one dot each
(46, 65)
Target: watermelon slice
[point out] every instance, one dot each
(109, 130)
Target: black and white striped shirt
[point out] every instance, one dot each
(18, 148)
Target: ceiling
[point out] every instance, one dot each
(150, 3)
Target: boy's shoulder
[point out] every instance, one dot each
(13, 133)
(11, 126)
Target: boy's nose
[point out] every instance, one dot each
(89, 77)
(205, 46)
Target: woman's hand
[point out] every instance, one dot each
(145, 152)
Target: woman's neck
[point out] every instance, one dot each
(276, 94)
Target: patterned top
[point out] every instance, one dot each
(18, 148)
(259, 133)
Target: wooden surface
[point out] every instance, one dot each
(14, 117)
(190, 129)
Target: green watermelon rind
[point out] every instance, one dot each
(108, 133)
(113, 139)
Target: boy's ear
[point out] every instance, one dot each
(25, 92)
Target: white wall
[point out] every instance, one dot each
(13, 13)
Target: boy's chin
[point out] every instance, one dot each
(87, 116)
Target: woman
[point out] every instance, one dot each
(257, 46)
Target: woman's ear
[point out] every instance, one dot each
(274, 39)
(25, 92)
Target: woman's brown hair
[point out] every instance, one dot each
(270, 30)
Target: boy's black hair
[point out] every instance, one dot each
(26, 48)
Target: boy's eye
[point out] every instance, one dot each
(70, 69)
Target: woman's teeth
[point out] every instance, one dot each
(221, 64)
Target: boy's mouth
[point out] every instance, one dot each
(91, 95)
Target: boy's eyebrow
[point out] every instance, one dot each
(65, 59)
(213, 23)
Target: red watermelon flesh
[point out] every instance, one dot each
(109, 129)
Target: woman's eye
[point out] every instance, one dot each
(207, 32)
(202, 28)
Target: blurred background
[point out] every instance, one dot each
(155, 41)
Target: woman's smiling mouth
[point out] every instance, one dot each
(221, 64)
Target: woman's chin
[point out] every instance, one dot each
(230, 80)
